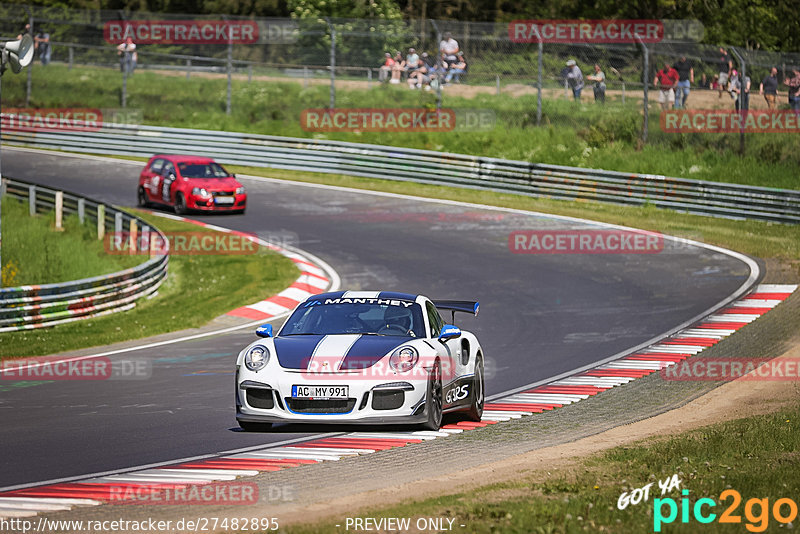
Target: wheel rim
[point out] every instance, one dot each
(142, 198)
(179, 203)
(436, 393)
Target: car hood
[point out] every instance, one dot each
(334, 352)
(215, 184)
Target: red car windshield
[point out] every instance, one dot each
(202, 170)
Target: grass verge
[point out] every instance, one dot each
(197, 289)
(583, 135)
(35, 253)
(754, 456)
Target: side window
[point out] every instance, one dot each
(434, 319)
(157, 166)
(168, 169)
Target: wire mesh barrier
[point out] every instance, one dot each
(37, 306)
(425, 166)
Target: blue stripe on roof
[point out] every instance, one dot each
(395, 295)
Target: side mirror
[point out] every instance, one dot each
(265, 330)
(449, 332)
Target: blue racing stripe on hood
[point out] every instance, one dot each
(370, 349)
(294, 352)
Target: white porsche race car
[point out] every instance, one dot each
(362, 357)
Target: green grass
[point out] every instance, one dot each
(35, 253)
(579, 135)
(197, 289)
(756, 456)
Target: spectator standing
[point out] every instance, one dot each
(725, 68)
(42, 45)
(740, 90)
(599, 79)
(703, 82)
(769, 88)
(574, 79)
(666, 81)
(127, 56)
(387, 67)
(685, 71)
(456, 69)
(448, 48)
(794, 89)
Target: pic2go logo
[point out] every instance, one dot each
(756, 511)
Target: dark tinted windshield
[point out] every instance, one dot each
(202, 170)
(319, 318)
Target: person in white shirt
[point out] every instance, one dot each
(127, 55)
(449, 48)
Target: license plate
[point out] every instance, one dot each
(321, 392)
(224, 200)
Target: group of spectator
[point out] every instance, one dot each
(573, 78)
(41, 43)
(425, 70)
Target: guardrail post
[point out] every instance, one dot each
(71, 52)
(132, 249)
(188, 68)
(31, 200)
(101, 221)
(82, 210)
(369, 78)
(117, 224)
(59, 210)
(145, 240)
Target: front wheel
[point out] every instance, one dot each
(475, 411)
(180, 204)
(141, 198)
(433, 399)
(250, 426)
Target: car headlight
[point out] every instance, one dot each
(240, 190)
(200, 191)
(256, 358)
(404, 359)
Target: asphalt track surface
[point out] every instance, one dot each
(541, 315)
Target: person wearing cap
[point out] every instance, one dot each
(574, 79)
(412, 60)
(386, 68)
(666, 80)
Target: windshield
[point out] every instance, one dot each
(202, 170)
(389, 318)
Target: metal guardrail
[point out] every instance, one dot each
(37, 306)
(423, 166)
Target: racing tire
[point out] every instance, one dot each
(250, 426)
(433, 399)
(475, 411)
(180, 204)
(141, 198)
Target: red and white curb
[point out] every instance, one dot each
(312, 280)
(584, 384)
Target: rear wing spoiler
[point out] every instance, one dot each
(466, 306)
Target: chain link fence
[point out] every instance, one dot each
(526, 84)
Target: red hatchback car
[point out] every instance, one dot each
(190, 183)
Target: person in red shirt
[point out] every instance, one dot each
(386, 68)
(666, 80)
